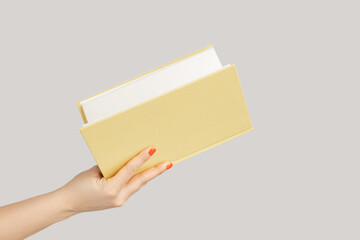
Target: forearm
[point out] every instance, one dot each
(88, 191)
(22, 219)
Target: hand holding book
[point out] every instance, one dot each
(90, 191)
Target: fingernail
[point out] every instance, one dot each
(151, 151)
(169, 166)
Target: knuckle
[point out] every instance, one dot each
(142, 181)
(131, 168)
(111, 193)
(139, 158)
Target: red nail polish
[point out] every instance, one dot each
(169, 166)
(151, 151)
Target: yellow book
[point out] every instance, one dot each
(182, 108)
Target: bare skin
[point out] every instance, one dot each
(88, 191)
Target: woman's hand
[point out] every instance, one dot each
(89, 191)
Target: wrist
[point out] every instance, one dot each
(64, 202)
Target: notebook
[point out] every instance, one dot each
(182, 108)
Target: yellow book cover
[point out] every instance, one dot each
(180, 123)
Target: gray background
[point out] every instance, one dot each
(296, 176)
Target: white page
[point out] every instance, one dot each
(150, 86)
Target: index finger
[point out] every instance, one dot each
(128, 170)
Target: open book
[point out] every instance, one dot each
(182, 108)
